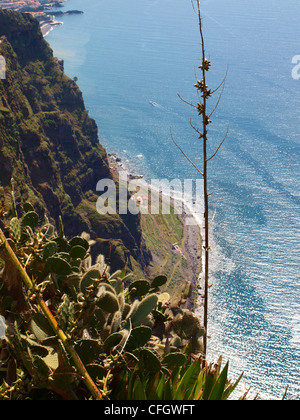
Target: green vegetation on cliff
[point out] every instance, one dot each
(50, 146)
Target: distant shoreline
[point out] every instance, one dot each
(46, 28)
(193, 237)
(42, 12)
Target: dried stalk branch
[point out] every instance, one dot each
(220, 145)
(184, 154)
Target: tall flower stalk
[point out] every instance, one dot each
(204, 94)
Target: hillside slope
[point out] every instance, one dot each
(50, 147)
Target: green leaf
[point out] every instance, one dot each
(59, 266)
(108, 302)
(208, 386)
(40, 327)
(188, 382)
(50, 249)
(139, 288)
(139, 337)
(149, 361)
(144, 308)
(88, 350)
(78, 251)
(28, 207)
(139, 391)
(89, 278)
(219, 387)
(77, 240)
(30, 219)
(112, 341)
(15, 226)
(174, 360)
(159, 281)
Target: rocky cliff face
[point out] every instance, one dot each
(50, 146)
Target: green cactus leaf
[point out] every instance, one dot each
(30, 219)
(116, 322)
(28, 207)
(15, 226)
(187, 326)
(112, 341)
(88, 350)
(164, 298)
(126, 310)
(174, 360)
(59, 266)
(108, 288)
(159, 281)
(61, 227)
(139, 288)
(89, 278)
(62, 245)
(139, 337)
(144, 308)
(96, 372)
(108, 302)
(78, 251)
(149, 361)
(101, 318)
(79, 241)
(65, 312)
(159, 316)
(50, 249)
(176, 342)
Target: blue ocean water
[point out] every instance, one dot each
(127, 53)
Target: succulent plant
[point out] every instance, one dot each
(108, 302)
(187, 325)
(89, 278)
(30, 219)
(144, 308)
(58, 265)
(139, 288)
(114, 322)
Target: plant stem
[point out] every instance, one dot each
(205, 178)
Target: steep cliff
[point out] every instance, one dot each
(49, 145)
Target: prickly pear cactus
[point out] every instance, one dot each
(115, 322)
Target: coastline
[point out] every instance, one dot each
(192, 234)
(41, 11)
(46, 28)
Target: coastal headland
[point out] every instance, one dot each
(41, 10)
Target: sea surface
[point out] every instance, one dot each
(126, 53)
